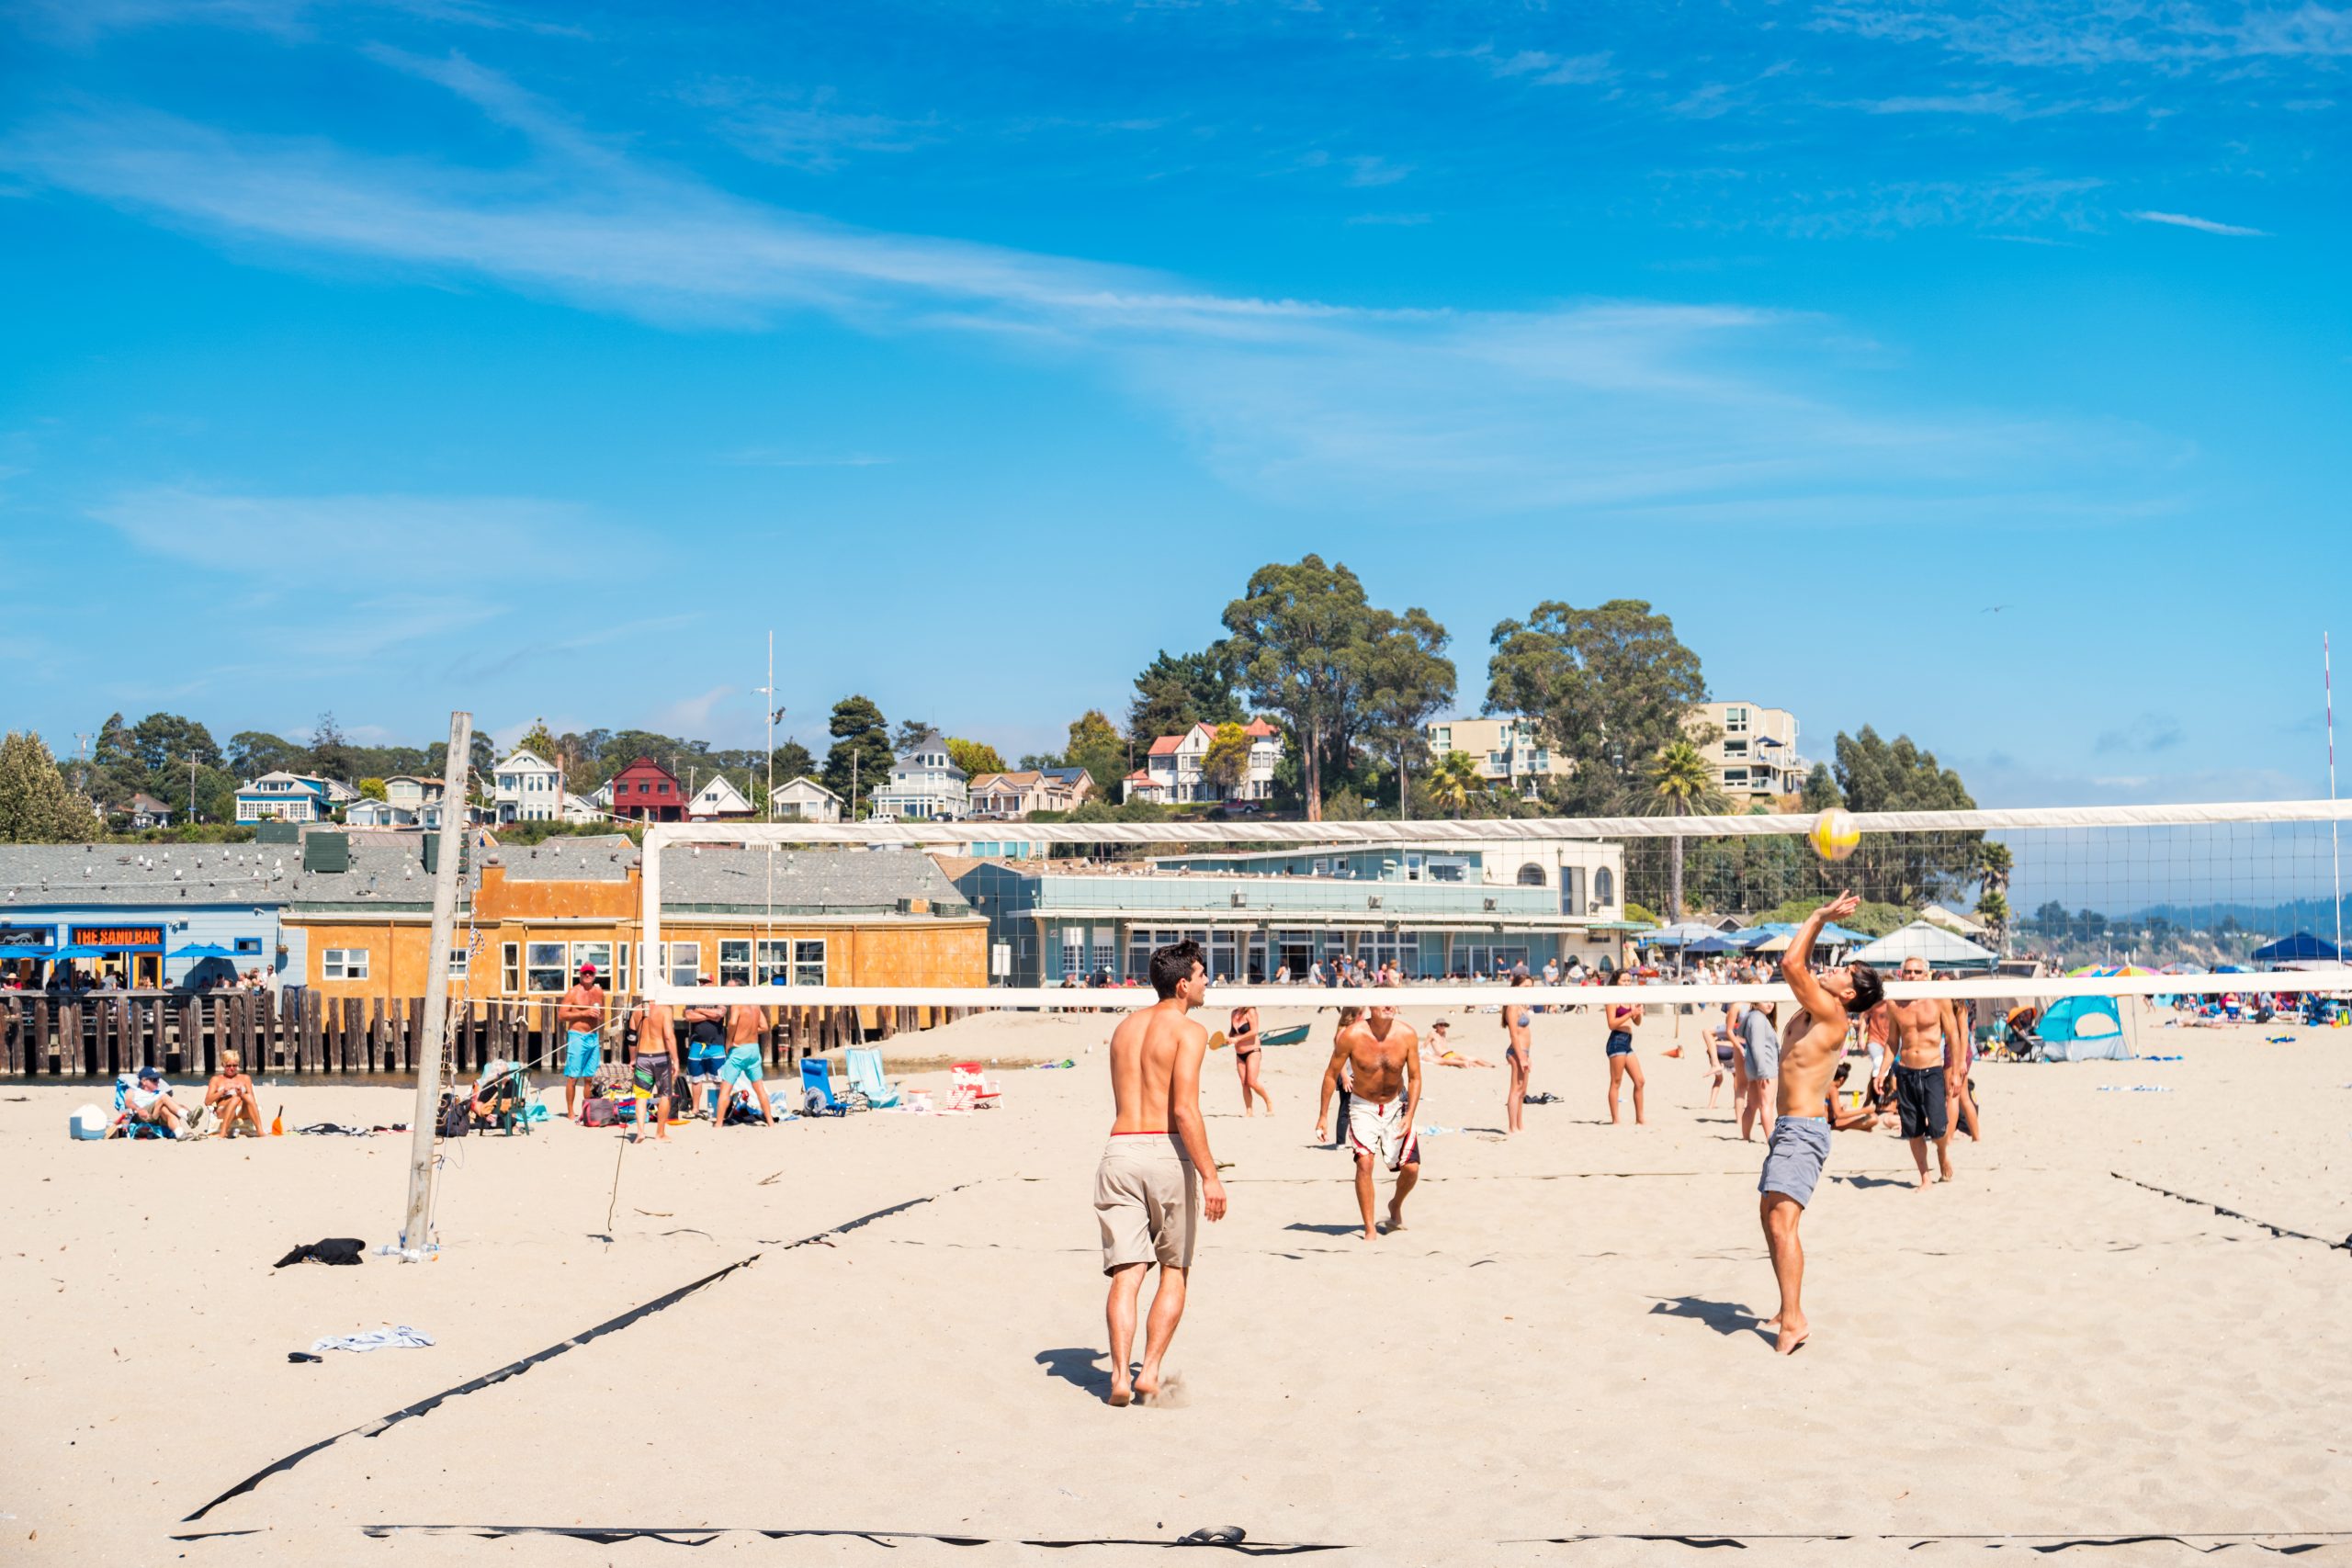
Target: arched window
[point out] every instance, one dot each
(1604, 887)
(1531, 876)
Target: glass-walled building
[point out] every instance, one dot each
(1438, 911)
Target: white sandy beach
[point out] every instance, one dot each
(1560, 1345)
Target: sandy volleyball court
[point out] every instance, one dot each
(1561, 1345)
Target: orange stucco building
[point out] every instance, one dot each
(534, 914)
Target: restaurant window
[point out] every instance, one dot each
(249, 944)
(543, 966)
(344, 964)
(735, 960)
(600, 953)
(460, 961)
(683, 961)
(773, 966)
(510, 968)
(620, 968)
(808, 960)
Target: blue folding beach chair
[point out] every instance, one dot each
(865, 1078)
(817, 1088)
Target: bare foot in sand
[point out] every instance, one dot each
(1946, 1168)
(1123, 1393)
(1790, 1335)
(1396, 1219)
(1370, 1234)
(1165, 1393)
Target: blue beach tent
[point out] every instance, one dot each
(2083, 1029)
(2301, 948)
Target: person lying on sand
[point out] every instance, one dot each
(1439, 1053)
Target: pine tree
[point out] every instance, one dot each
(35, 806)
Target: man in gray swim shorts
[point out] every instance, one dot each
(1800, 1141)
(1156, 1167)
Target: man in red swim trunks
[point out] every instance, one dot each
(1382, 1056)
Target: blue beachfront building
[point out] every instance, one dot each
(1437, 910)
(135, 910)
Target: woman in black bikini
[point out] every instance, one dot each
(1241, 1031)
(1520, 1056)
(1622, 1017)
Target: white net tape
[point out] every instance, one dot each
(2187, 870)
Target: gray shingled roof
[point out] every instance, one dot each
(388, 871)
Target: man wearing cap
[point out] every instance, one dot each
(581, 1013)
(152, 1101)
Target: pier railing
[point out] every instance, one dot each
(299, 1031)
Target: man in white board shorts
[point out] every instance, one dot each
(1156, 1172)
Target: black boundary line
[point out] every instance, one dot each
(2299, 1542)
(702, 1535)
(2281, 1231)
(2204, 1542)
(516, 1369)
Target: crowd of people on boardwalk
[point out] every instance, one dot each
(69, 982)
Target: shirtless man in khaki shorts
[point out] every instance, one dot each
(1815, 1038)
(1157, 1167)
(1383, 1055)
(1922, 1027)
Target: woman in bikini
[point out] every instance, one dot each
(1724, 1038)
(1519, 1055)
(1622, 1018)
(1241, 1032)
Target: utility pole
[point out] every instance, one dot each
(192, 787)
(416, 1239)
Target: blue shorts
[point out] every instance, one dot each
(741, 1065)
(703, 1059)
(583, 1053)
(1619, 1043)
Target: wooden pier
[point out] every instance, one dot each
(183, 1034)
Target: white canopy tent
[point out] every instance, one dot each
(1921, 939)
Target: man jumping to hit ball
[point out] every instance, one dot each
(1809, 1052)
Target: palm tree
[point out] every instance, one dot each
(1454, 782)
(1678, 781)
(1994, 864)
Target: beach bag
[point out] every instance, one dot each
(456, 1118)
(598, 1112)
(88, 1122)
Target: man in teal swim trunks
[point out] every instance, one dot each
(739, 1071)
(581, 1013)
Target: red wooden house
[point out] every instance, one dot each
(645, 791)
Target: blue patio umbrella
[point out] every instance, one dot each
(202, 950)
(84, 950)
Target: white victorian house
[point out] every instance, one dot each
(526, 788)
(718, 799)
(925, 785)
(1171, 775)
(805, 800)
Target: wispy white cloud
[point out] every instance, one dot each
(776, 457)
(1549, 69)
(2091, 33)
(1999, 103)
(81, 21)
(2202, 225)
(1597, 402)
(237, 534)
(690, 716)
(803, 130)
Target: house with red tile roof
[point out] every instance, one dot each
(1171, 771)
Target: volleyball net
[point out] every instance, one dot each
(2194, 899)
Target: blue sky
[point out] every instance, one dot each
(396, 357)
